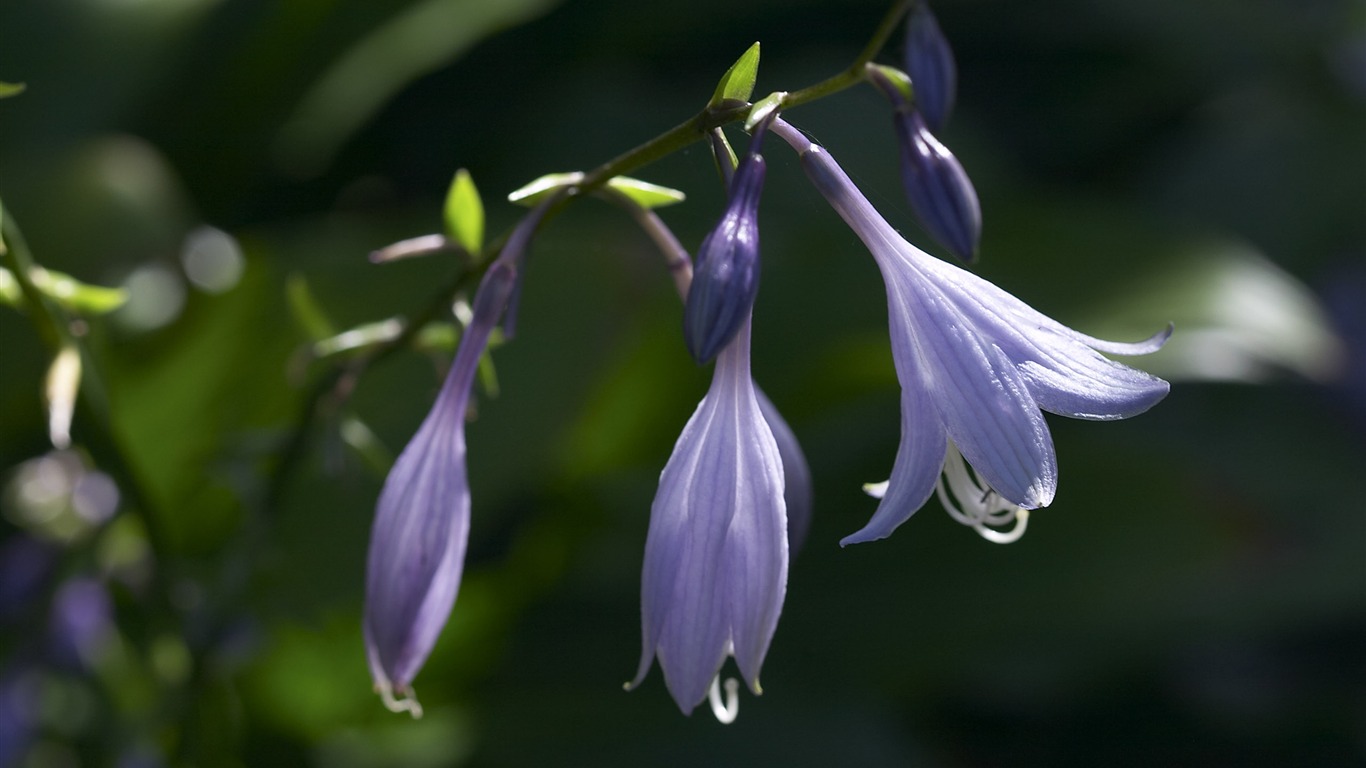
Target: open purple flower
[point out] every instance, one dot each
(417, 544)
(977, 368)
(716, 555)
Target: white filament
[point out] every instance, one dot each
(725, 711)
(979, 505)
(407, 703)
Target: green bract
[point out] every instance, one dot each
(738, 82)
(464, 214)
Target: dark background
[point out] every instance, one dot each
(1194, 596)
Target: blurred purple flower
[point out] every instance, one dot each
(25, 564)
(417, 544)
(80, 622)
(929, 62)
(726, 275)
(977, 366)
(716, 556)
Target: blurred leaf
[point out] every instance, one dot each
(415, 41)
(464, 214)
(358, 338)
(11, 89)
(75, 295)
(738, 82)
(358, 435)
(645, 194)
(9, 287)
(1238, 318)
(533, 192)
(433, 337)
(306, 310)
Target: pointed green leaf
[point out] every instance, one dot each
(306, 310)
(645, 194)
(763, 108)
(738, 82)
(75, 295)
(532, 193)
(11, 89)
(464, 213)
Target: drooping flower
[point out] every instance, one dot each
(417, 543)
(977, 366)
(929, 62)
(726, 275)
(716, 554)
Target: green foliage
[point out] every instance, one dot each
(463, 214)
(11, 89)
(645, 194)
(737, 83)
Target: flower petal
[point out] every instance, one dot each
(796, 474)
(1066, 376)
(982, 398)
(920, 455)
(716, 554)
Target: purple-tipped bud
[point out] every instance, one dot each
(726, 274)
(929, 62)
(940, 193)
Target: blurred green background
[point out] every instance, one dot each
(1195, 596)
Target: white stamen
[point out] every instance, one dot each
(408, 703)
(727, 711)
(979, 505)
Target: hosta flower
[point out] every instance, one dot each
(417, 544)
(977, 367)
(716, 555)
(726, 275)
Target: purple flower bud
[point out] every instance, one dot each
(417, 545)
(929, 62)
(726, 275)
(940, 193)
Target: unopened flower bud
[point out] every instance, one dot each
(929, 62)
(726, 274)
(940, 193)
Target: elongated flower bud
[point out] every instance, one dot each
(417, 545)
(940, 193)
(929, 62)
(726, 275)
